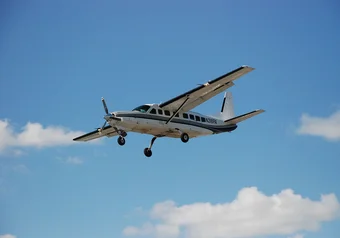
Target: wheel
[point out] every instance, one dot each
(121, 140)
(147, 152)
(185, 137)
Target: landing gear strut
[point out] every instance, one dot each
(147, 151)
(121, 140)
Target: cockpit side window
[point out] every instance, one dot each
(143, 108)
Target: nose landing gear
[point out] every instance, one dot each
(122, 134)
(121, 140)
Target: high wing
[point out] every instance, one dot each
(108, 131)
(200, 94)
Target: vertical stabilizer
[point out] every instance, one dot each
(227, 110)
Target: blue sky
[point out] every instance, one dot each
(58, 58)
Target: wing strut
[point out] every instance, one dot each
(180, 107)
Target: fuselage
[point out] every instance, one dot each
(151, 119)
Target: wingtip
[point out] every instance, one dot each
(76, 138)
(247, 66)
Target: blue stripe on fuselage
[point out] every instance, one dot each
(213, 128)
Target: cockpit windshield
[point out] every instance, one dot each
(143, 108)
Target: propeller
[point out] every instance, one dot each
(106, 111)
(109, 116)
(105, 107)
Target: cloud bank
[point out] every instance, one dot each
(35, 135)
(296, 236)
(251, 214)
(7, 236)
(327, 127)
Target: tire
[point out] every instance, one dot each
(185, 137)
(147, 152)
(121, 140)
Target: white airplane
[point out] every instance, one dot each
(173, 118)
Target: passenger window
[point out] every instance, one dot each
(176, 115)
(185, 115)
(166, 112)
(153, 111)
(198, 118)
(160, 112)
(203, 119)
(192, 117)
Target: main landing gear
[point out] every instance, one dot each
(148, 151)
(184, 137)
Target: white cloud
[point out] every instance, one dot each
(35, 135)
(7, 236)
(149, 229)
(251, 214)
(327, 127)
(296, 236)
(74, 160)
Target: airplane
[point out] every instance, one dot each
(174, 118)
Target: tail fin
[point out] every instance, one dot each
(227, 110)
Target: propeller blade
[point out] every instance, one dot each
(102, 128)
(105, 107)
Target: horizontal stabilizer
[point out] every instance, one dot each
(243, 117)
